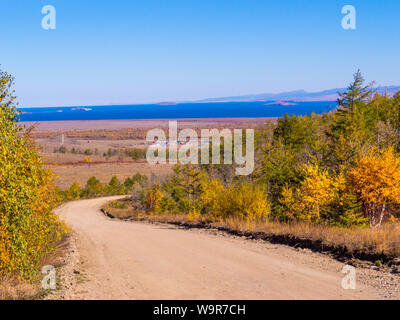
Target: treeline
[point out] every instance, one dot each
(94, 188)
(87, 152)
(340, 168)
(133, 153)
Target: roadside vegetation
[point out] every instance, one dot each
(332, 178)
(28, 227)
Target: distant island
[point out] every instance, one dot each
(280, 103)
(167, 103)
(80, 108)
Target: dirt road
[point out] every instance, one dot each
(129, 260)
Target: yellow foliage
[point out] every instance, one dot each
(74, 192)
(321, 197)
(28, 227)
(213, 198)
(376, 181)
(288, 202)
(193, 214)
(248, 202)
(88, 160)
(153, 199)
(245, 201)
(316, 192)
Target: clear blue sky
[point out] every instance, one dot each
(127, 51)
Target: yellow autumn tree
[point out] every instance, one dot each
(376, 181)
(243, 200)
(88, 160)
(288, 204)
(214, 198)
(322, 198)
(153, 199)
(74, 192)
(28, 227)
(248, 202)
(316, 193)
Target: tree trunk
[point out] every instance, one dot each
(382, 215)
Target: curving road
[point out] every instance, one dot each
(129, 260)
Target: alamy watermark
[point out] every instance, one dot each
(185, 147)
(49, 280)
(349, 280)
(49, 20)
(349, 21)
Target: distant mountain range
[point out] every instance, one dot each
(297, 96)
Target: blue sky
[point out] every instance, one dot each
(127, 51)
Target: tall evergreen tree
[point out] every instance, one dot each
(356, 92)
(349, 116)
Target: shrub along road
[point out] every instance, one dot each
(132, 260)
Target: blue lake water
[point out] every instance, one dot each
(178, 111)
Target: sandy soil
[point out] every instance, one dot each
(129, 260)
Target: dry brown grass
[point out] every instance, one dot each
(120, 213)
(14, 288)
(118, 134)
(385, 240)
